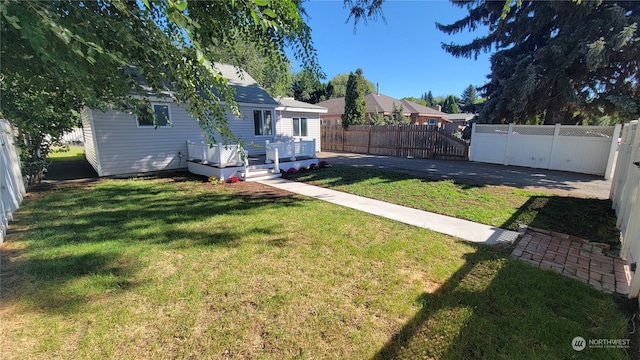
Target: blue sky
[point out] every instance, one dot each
(404, 55)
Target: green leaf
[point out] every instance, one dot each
(146, 4)
(270, 13)
(179, 5)
(261, 2)
(13, 20)
(256, 19)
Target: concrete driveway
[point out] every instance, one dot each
(557, 182)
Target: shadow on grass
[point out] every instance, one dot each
(521, 312)
(82, 242)
(590, 219)
(343, 175)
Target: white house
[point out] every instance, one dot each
(297, 119)
(119, 143)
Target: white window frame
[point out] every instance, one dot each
(262, 122)
(299, 126)
(153, 107)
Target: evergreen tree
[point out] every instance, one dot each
(339, 86)
(450, 105)
(377, 118)
(397, 117)
(354, 104)
(469, 98)
(562, 61)
(429, 99)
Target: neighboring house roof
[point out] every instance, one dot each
(290, 104)
(460, 117)
(247, 89)
(383, 104)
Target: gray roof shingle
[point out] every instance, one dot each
(247, 89)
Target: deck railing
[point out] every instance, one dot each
(291, 149)
(215, 154)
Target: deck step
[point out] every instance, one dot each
(257, 175)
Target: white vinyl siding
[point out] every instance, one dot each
(89, 141)
(313, 125)
(125, 148)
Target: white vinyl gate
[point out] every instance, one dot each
(581, 149)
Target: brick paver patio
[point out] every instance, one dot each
(574, 257)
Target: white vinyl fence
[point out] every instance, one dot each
(12, 189)
(75, 136)
(625, 198)
(581, 149)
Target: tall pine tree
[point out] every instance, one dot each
(354, 104)
(562, 61)
(469, 97)
(450, 105)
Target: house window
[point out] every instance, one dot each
(263, 122)
(145, 119)
(432, 121)
(300, 127)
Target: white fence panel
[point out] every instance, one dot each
(12, 188)
(217, 154)
(625, 197)
(583, 149)
(75, 136)
(292, 148)
(489, 143)
(530, 146)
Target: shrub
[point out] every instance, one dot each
(324, 164)
(313, 166)
(233, 179)
(303, 168)
(292, 171)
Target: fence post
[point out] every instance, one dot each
(508, 147)
(434, 140)
(612, 151)
(204, 152)
(369, 142)
(342, 137)
(220, 159)
(398, 141)
(473, 133)
(554, 140)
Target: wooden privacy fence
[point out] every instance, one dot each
(418, 141)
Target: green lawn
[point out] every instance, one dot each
(67, 154)
(177, 268)
(502, 206)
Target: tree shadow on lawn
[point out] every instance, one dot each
(521, 312)
(343, 175)
(590, 219)
(103, 222)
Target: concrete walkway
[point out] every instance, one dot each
(463, 229)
